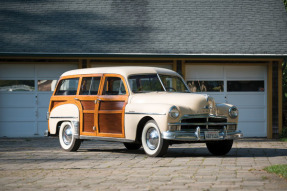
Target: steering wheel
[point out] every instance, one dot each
(170, 88)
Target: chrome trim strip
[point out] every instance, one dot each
(137, 113)
(207, 123)
(106, 139)
(202, 116)
(68, 117)
(199, 135)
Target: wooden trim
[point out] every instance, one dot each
(280, 97)
(89, 65)
(174, 65)
(269, 101)
(110, 98)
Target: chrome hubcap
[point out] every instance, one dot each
(152, 138)
(67, 135)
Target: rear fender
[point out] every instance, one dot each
(65, 112)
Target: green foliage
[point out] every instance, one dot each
(285, 3)
(284, 132)
(280, 170)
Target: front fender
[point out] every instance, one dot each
(223, 110)
(135, 112)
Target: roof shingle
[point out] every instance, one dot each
(144, 26)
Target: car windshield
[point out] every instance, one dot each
(152, 83)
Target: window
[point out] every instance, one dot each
(173, 83)
(145, 83)
(245, 86)
(46, 85)
(17, 85)
(205, 86)
(114, 86)
(90, 86)
(68, 87)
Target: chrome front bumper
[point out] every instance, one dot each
(199, 136)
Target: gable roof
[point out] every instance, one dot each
(144, 27)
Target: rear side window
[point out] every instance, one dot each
(90, 86)
(68, 87)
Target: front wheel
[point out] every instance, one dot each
(219, 147)
(66, 137)
(153, 143)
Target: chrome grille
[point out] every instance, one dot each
(204, 122)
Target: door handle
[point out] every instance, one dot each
(98, 100)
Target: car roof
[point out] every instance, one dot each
(122, 70)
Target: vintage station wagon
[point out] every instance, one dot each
(139, 106)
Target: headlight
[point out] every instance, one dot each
(233, 112)
(174, 112)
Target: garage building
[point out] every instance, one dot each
(232, 50)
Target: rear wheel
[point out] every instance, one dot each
(153, 143)
(219, 147)
(66, 137)
(132, 146)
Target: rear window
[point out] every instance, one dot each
(68, 87)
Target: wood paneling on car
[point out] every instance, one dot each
(112, 105)
(88, 105)
(88, 122)
(110, 123)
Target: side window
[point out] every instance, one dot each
(68, 87)
(114, 86)
(90, 86)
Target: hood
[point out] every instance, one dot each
(186, 102)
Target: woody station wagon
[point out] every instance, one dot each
(139, 106)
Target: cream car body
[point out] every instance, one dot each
(153, 119)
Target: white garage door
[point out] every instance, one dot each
(243, 86)
(25, 91)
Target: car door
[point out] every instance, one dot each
(110, 106)
(87, 96)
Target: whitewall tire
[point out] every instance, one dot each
(66, 137)
(153, 143)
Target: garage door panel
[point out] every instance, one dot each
(205, 72)
(16, 100)
(42, 127)
(53, 71)
(44, 99)
(8, 71)
(18, 114)
(247, 72)
(244, 87)
(42, 113)
(253, 129)
(218, 98)
(246, 100)
(17, 129)
(251, 114)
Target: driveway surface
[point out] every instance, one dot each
(40, 164)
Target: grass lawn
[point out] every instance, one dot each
(280, 170)
(283, 139)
